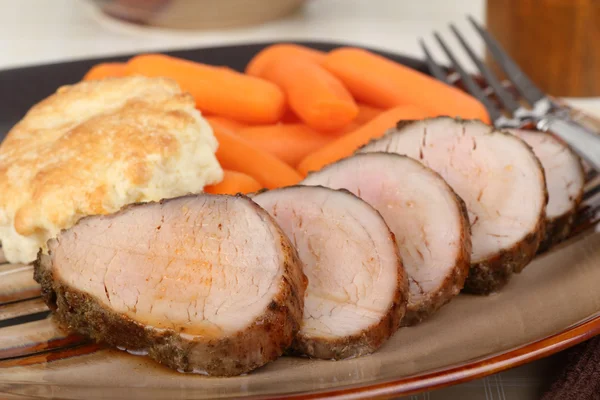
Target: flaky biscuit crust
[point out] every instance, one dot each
(95, 146)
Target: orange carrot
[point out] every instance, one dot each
(346, 145)
(230, 124)
(217, 90)
(106, 70)
(350, 128)
(277, 51)
(316, 96)
(377, 81)
(289, 142)
(290, 118)
(237, 154)
(233, 183)
(366, 113)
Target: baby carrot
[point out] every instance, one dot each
(377, 81)
(346, 145)
(288, 142)
(315, 95)
(290, 118)
(217, 90)
(366, 113)
(233, 183)
(351, 127)
(106, 70)
(237, 154)
(230, 124)
(277, 51)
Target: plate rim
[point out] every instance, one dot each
(466, 371)
(429, 380)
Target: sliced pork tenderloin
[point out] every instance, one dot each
(499, 178)
(357, 287)
(428, 219)
(565, 179)
(201, 283)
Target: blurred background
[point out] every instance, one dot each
(555, 41)
(36, 31)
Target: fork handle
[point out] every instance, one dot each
(583, 142)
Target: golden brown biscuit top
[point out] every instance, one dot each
(87, 147)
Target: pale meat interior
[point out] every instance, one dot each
(348, 256)
(416, 204)
(562, 168)
(496, 175)
(199, 265)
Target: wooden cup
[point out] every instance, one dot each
(555, 42)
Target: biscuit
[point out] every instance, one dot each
(94, 147)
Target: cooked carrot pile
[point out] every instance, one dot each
(297, 109)
(380, 82)
(218, 91)
(347, 144)
(238, 154)
(106, 70)
(316, 96)
(289, 142)
(257, 65)
(234, 182)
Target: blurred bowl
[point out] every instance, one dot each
(197, 14)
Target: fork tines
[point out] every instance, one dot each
(523, 84)
(505, 99)
(467, 80)
(504, 96)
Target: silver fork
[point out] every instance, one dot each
(540, 110)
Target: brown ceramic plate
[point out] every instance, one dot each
(552, 305)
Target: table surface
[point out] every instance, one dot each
(46, 31)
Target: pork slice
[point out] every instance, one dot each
(200, 283)
(565, 179)
(427, 218)
(499, 178)
(357, 287)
